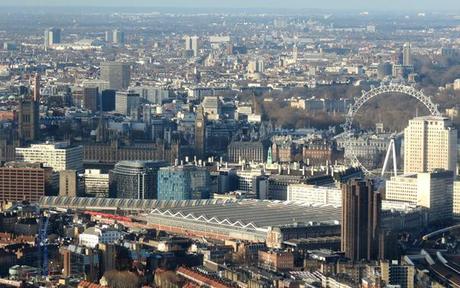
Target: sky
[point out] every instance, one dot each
(414, 5)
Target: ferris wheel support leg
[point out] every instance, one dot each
(393, 147)
(385, 163)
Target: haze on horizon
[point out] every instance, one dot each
(387, 5)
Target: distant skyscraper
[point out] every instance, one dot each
(127, 103)
(200, 133)
(109, 36)
(183, 183)
(191, 44)
(28, 118)
(430, 142)
(90, 98)
(407, 57)
(108, 100)
(256, 66)
(52, 36)
(118, 37)
(117, 74)
(135, 179)
(361, 207)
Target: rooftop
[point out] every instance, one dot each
(254, 214)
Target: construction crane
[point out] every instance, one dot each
(43, 245)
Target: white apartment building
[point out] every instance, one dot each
(433, 190)
(315, 194)
(430, 142)
(59, 156)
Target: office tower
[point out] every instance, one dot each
(9, 46)
(183, 183)
(384, 70)
(200, 133)
(407, 58)
(118, 37)
(135, 179)
(108, 100)
(117, 74)
(430, 142)
(109, 36)
(52, 37)
(433, 190)
(28, 118)
(68, 183)
(191, 44)
(295, 54)
(90, 98)
(96, 183)
(60, 156)
(127, 103)
(361, 207)
(21, 181)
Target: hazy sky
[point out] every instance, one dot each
(416, 5)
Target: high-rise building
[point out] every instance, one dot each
(21, 181)
(109, 36)
(108, 100)
(117, 74)
(407, 57)
(135, 179)
(430, 142)
(183, 183)
(60, 156)
(200, 133)
(127, 103)
(361, 207)
(256, 66)
(433, 190)
(191, 44)
(118, 37)
(90, 98)
(52, 37)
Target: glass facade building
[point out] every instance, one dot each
(183, 183)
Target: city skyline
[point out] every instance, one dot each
(229, 144)
(391, 5)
